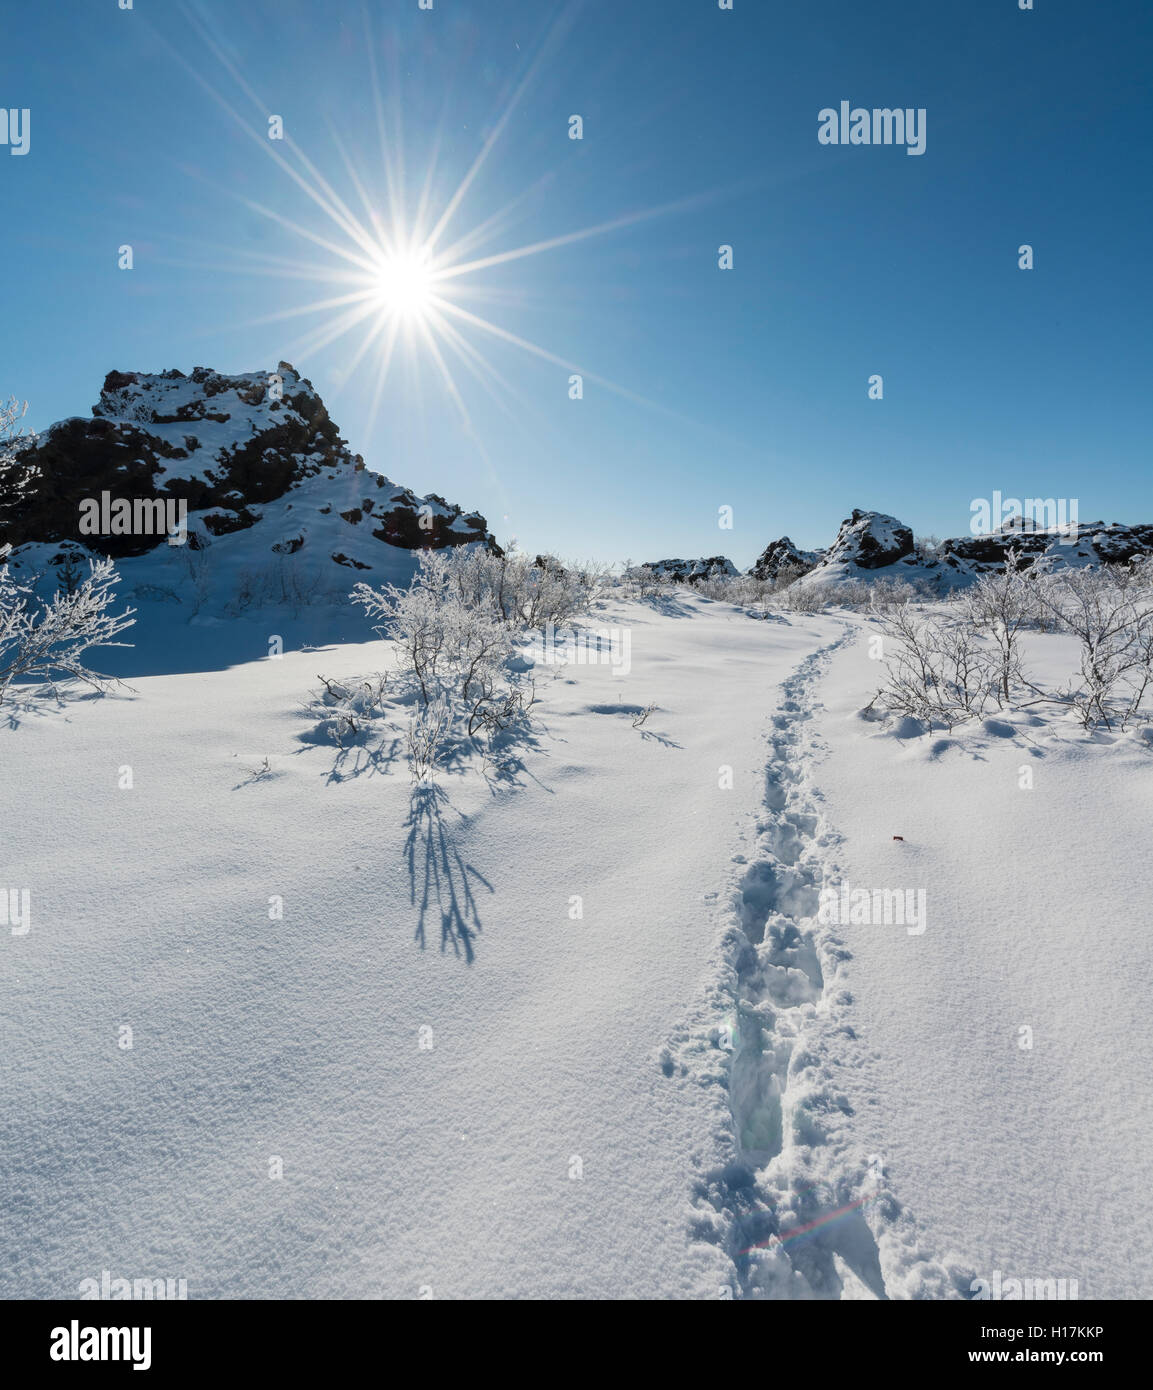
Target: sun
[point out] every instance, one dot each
(403, 284)
(399, 278)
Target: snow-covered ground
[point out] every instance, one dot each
(1011, 1043)
(581, 1036)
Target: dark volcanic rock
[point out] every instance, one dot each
(225, 446)
(693, 571)
(870, 540)
(1094, 542)
(783, 555)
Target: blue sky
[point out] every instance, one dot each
(745, 388)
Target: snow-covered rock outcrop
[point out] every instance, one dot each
(255, 453)
(869, 541)
(693, 571)
(1094, 543)
(872, 546)
(783, 555)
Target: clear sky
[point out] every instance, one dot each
(746, 388)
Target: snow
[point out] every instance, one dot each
(299, 1038)
(696, 1088)
(1029, 1160)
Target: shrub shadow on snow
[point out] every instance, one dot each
(638, 714)
(653, 736)
(373, 746)
(441, 884)
(40, 701)
(667, 605)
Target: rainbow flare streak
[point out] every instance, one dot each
(800, 1232)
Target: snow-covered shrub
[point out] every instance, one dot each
(48, 640)
(1110, 612)
(1000, 607)
(854, 593)
(454, 647)
(289, 583)
(69, 572)
(642, 581)
(741, 589)
(803, 598)
(953, 665)
(282, 580)
(426, 732)
(450, 639)
(14, 478)
(939, 672)
(245, 591)
(195, 562)
(880, 595)
(788, 575)
(517, 590)
(12, 437)
(349, 707)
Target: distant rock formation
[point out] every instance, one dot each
(784, 555)
(693, 571)
(873, 545)
(1095, 542)
(870, 541)
(227, 448)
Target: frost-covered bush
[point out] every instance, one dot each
(741, 589)
(49, 640)
(642, 581)
(14, 478)
(427, 730)
(1000, 607)
(956, 663)
(282, 580)
(758, 595)
(517, 590)
(455, 630)
(12, 437)
(349, 707)
(804, 598)
(451, 640)
(938, 671)
(1110, 612)
(881, 594)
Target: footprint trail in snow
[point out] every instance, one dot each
(786, 1192)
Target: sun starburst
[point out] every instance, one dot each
(400, 288)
